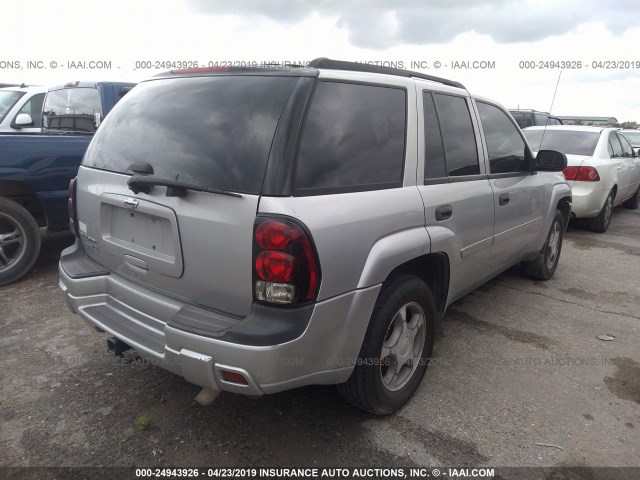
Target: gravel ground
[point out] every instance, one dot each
(519, 379)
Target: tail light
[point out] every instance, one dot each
(286, 270)
(582, 174)
(71, 208)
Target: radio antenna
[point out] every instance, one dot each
(550, 108)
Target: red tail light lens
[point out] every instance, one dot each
(234, 377)
(286, 269)
(275, 266)
(582, 174)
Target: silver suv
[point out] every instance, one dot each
(257, 230)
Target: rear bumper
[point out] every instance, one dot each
(324, 351)
(588, 198)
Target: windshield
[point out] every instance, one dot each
(8, 99)
(208, 131)
(73, 109)
(569, 142)
(633, 137)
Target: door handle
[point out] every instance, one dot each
(444, 212)
(503, 199)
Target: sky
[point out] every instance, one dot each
(513, 51)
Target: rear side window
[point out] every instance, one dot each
(507, 150)
(209, 131)
(627, 151)
(353, 139)
(73, 109)
(615, 144)
(457, 132)
(434, 163)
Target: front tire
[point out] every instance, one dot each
(396, 349)
(545, 265)
(19, 241)
(601, 223)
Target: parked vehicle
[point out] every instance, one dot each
(256, 230)
(603, 170)
(35, 169)
(530, 118)
(21, 109)
(634, 138)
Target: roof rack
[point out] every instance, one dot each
(365, 67)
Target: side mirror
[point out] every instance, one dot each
(23, 120)
(551, 161)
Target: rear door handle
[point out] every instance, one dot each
(444, 212)
(503, 199)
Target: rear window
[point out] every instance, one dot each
(8, 99)
(72, 109)
(523, 119)
(569, 142)
(209, 131)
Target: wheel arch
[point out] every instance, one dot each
(24, 196)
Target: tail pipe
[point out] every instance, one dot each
(116, 346)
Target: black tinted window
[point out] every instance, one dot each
(506, 148)
(459, 139)
(434, 166)
(210, 131)
(74, 109)
(353, 138)
(615, 143)
(569, 142)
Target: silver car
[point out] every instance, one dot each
(257, 230)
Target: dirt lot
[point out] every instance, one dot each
(518, 366)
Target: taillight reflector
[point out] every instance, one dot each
(275, 266)
(582, 174)
(234, 377)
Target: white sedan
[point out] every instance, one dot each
(602, 169)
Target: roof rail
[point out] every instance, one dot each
(365, 67)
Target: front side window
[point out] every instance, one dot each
(353, 139)
(34, 108)
(73, 109)
(457, 132)
(507, 150)
(8, 99)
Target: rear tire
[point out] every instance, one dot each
(634, 202)
(396, 348)
(19, 241)
(601, 223)
(545, 265)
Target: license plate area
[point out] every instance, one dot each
(144, 230)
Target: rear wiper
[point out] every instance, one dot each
(145, 183)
